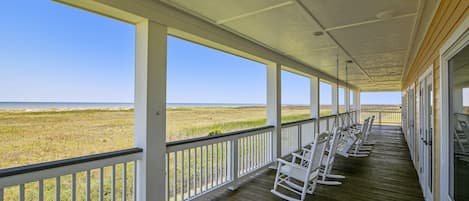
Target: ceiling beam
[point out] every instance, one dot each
(315, 20)
(413, 35)
(255, 12)
(370, 22)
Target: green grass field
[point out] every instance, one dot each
(33, 137)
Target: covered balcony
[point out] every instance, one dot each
(357, 46)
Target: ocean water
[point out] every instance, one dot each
(40, 106)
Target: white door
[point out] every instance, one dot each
(426, 135)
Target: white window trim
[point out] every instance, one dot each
(458, 40)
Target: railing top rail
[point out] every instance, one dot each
(66, 162)
(327, 116)
(298, 122)
(198, 139)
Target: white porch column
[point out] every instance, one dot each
(347, 99)
(274, 106)
(150, 109)
(356, 102)
(314, 102)
(335, 99)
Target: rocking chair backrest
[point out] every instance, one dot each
(365, 125)
(332, 145)
(319, 147)
(368, 127)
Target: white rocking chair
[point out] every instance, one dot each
(328, 160)
(300, 177)
(359, 150)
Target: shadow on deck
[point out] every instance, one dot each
(387, 174)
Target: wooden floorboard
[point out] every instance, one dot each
(387, 174)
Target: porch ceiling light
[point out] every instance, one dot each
(318, 33)
(384, 15)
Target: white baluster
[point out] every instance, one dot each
(40, 191)
(74, 187)
(124, 181)
(57, 188)
(88, 186)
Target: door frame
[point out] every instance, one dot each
(423, 121)
(411, 118)
(457, 41)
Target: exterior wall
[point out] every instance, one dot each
(448, 16)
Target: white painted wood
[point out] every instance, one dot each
(21, 192)
(314, 102)
(40, 190)
(135, 180)
(182, 174)
(458, 40)
(274, 105)
(347, 99)
(305, 173)
(65, 170)
(335, 99)
(150, 109)
(101, 184)
(175, 179)
(113, 183)
(57, 188)
(124, 181)
(74, 187)
(88, 185)
(357, 103)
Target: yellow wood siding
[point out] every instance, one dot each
(448, 16)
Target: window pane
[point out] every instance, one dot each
(212, 92)
(67, 83)
(325, 97)
(459, 121)
(295, 97)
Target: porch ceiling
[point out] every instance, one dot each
(379, 46)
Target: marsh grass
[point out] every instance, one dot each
(34, 137)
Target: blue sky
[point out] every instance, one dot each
(52, 52)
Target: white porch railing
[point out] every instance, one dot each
(296, 134)
(102, 176)
(194, 167)
(200, 165)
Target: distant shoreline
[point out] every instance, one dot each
(67, 106)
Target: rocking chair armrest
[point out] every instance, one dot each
(284, 162)
(279, 160)
(305, 150)
(295, 155)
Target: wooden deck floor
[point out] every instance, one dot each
(387, 174)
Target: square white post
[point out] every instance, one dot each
(274, 106)
(150, 109)
(356, 102)
(347, 99)
(314, 102)
(335, 99)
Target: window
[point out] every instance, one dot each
(325, 97)
(295, 97)
(67, 80)
(352, 101)
(211, 92)
(459, 124)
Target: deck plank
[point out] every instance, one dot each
(387, 174)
